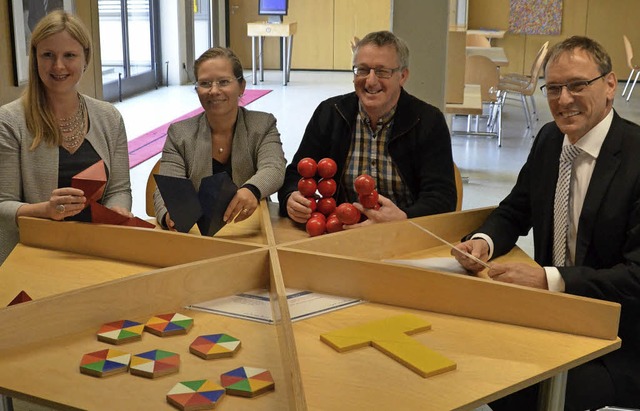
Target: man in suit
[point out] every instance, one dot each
(595, 251)
(383, 131)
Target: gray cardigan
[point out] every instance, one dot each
(29, 176)
(257, 157)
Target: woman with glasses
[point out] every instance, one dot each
(53, 132)
(224, 138)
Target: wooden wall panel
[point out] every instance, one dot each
(242, 12)
(313, 43)
(356, 18)
(607, 22)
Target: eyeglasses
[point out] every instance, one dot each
(205, 85)
(553, 91)
(379, 72)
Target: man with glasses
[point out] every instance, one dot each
(585, 215)
(383, 131)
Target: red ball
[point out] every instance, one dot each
(317, 214)
(307, 186)
(307, 167)
(333, 225)
(327, 205)
(313, 204)
(364, 184)
(327, 168)
(369, 200)
(327, 187)
(315, 227)
(348, 214)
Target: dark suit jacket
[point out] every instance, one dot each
(607, 262)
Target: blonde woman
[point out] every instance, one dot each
(53, 132)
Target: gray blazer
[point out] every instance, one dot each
(29, 176)
(257, 157)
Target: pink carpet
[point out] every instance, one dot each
(149, 144)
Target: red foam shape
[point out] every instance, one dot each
(92, 181)
(22, 297)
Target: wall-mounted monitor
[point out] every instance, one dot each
(275, 9)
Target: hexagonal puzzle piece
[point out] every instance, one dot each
(120, 332)
(215, 346)
(105, 362)
(169, 324)
(154, 363)
(195, 395)
(247, 381)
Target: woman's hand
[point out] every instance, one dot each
(171, 226)
(65, 202)
(242, 205)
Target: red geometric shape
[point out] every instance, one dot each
(22, 297)
(91, 181)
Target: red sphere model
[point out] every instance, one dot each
(307, 167)
(307, 186)
(327, 205)
(315, 227)
(369, 200)
(333, 225)
(327, 168)
(327, 187)
(364, 184)
(317, 214)
(348, 214)
(313, 204)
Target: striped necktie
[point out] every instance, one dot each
(561, 205)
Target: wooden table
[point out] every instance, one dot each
(502, 337)
(472, 104)
(496, 54)
(260, 29)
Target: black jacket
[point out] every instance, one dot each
(419, 146)
(607, 263)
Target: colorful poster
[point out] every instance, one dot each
(535, 17)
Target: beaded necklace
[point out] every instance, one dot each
(72, 128)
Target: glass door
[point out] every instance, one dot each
(128, 33)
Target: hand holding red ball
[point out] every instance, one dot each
(365, 186)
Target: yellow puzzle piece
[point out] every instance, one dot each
(391, 336)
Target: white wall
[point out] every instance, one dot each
(173, 40)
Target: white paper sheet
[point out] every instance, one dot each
(254, 305)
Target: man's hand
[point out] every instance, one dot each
(298, 207)
(519, 273)
(477, 248)
(388, 211)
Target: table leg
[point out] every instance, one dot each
(260, 43)
(289, 59)
(253, 60)
(551, 397)
(284, 60)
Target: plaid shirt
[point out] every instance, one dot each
(369, 155)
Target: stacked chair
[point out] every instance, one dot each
(633, 67)
(524, 86)
(484, 72)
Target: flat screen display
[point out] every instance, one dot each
(272, 7)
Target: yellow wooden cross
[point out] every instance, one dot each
(391, 336)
